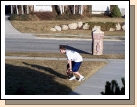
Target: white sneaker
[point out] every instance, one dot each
(73, 78)
(81, 78)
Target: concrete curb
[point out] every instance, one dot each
(79, 39)
(74, 37)
(45, 58)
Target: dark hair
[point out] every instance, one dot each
(62, 47)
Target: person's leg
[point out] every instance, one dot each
(73, 76)
(69, 74)
(81, 77)
(75, 70)
(77, 73)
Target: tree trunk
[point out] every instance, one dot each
(56, 9)
(17, 11)
(74, 9)
(27, 9)
(11, 9)
(31, 8)
(77, 9)
(87, 10)
(81, 10)
(22, 10)
(71, 9)
(61, 9)
(66, 9)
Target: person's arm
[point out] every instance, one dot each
(70, 64)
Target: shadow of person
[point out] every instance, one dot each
(46, 69)
(22, 80)
(75, 49)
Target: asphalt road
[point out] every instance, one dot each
(46, 45)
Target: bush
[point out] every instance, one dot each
(116, 12)
(24, 17)
(105, 26)
(45, 15)
(112, 88)
(68, 17)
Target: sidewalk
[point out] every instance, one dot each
(115, 69)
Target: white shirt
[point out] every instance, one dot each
(73, 56)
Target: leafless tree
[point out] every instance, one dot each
(11, 9)
(74, 9)
(22, 10)
(17, 9)
(27, 9)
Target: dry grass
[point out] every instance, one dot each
(86, 34)
(59, 55)
(43, 77)
(43, 27)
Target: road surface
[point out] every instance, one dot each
(46, 45)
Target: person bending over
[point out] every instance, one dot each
(74, 62)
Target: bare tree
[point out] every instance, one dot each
(11, 9)
(27, 9)
(81, 9)
(61, 9)
(17, 10)
(87, 10)
(74, 9)
(22, 10)
(56, 9)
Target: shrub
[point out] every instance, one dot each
(105, 26)
(115, 11)
(112, 88)
(68, 17)
(45, 15)
(100, 15)
(24, 17)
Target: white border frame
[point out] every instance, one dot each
(3, 96)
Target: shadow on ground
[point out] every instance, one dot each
(21, 80)
(51, 71)
(77, 50)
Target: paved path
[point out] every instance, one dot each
(96, 83)
(11, 32)
(9, 28)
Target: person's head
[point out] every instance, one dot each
(62, 49)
